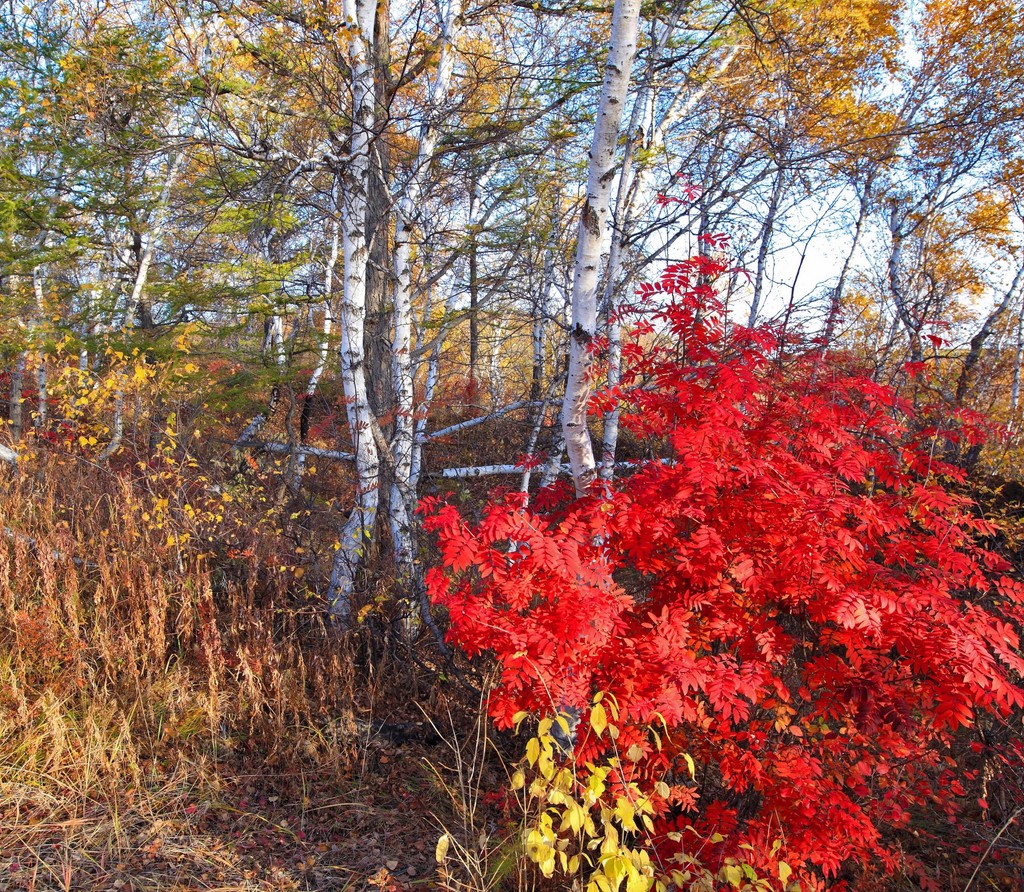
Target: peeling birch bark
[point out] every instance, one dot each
(42, 400)
(355, 535)
(1018, 359)
(323, 351)
(592, 227)
(401, 503)
(634, 193)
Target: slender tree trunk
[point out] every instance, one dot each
(355, 536)
(1018, 359)
(903, 310)
(767, 232)
(137, 302)
(635, 186)
(324, 348)
(474, 290)
(836, 298)
(403, 495)
(620, 224)
(540, 313)
(434, 358)
(15, 402)
(499, 332)
(592, 228)
(430, 387)
(977, 345)
(150, 240)
(377, 333)
(42, 403)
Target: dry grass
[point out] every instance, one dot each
(148, 660)
(482, 849)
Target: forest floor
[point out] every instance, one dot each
(176, 714)
(369, 818)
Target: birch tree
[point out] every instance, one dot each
(592, 235)
(360, 16)
(403, 494)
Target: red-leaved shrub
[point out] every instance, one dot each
(786, 587)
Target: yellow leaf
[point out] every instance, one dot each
(689, 764)
(441, 852)
(575, 816)
(785, 872)
(545, 764)
(598, 719)
(616, 868)
(626, 814)
(733, 874)
(637, 882)
(547, 866)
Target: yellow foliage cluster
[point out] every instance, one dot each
(594, 824)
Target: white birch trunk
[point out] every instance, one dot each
(355, 536)
(1018, 358)
(325, 336)
(156, 231)
(42, 405)
(149, 242)
(277, 340)
(634, 193)
(403, 495)
(433, 362)
(624, 201)
(592, 227)
(904, 312)
(497, 383)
